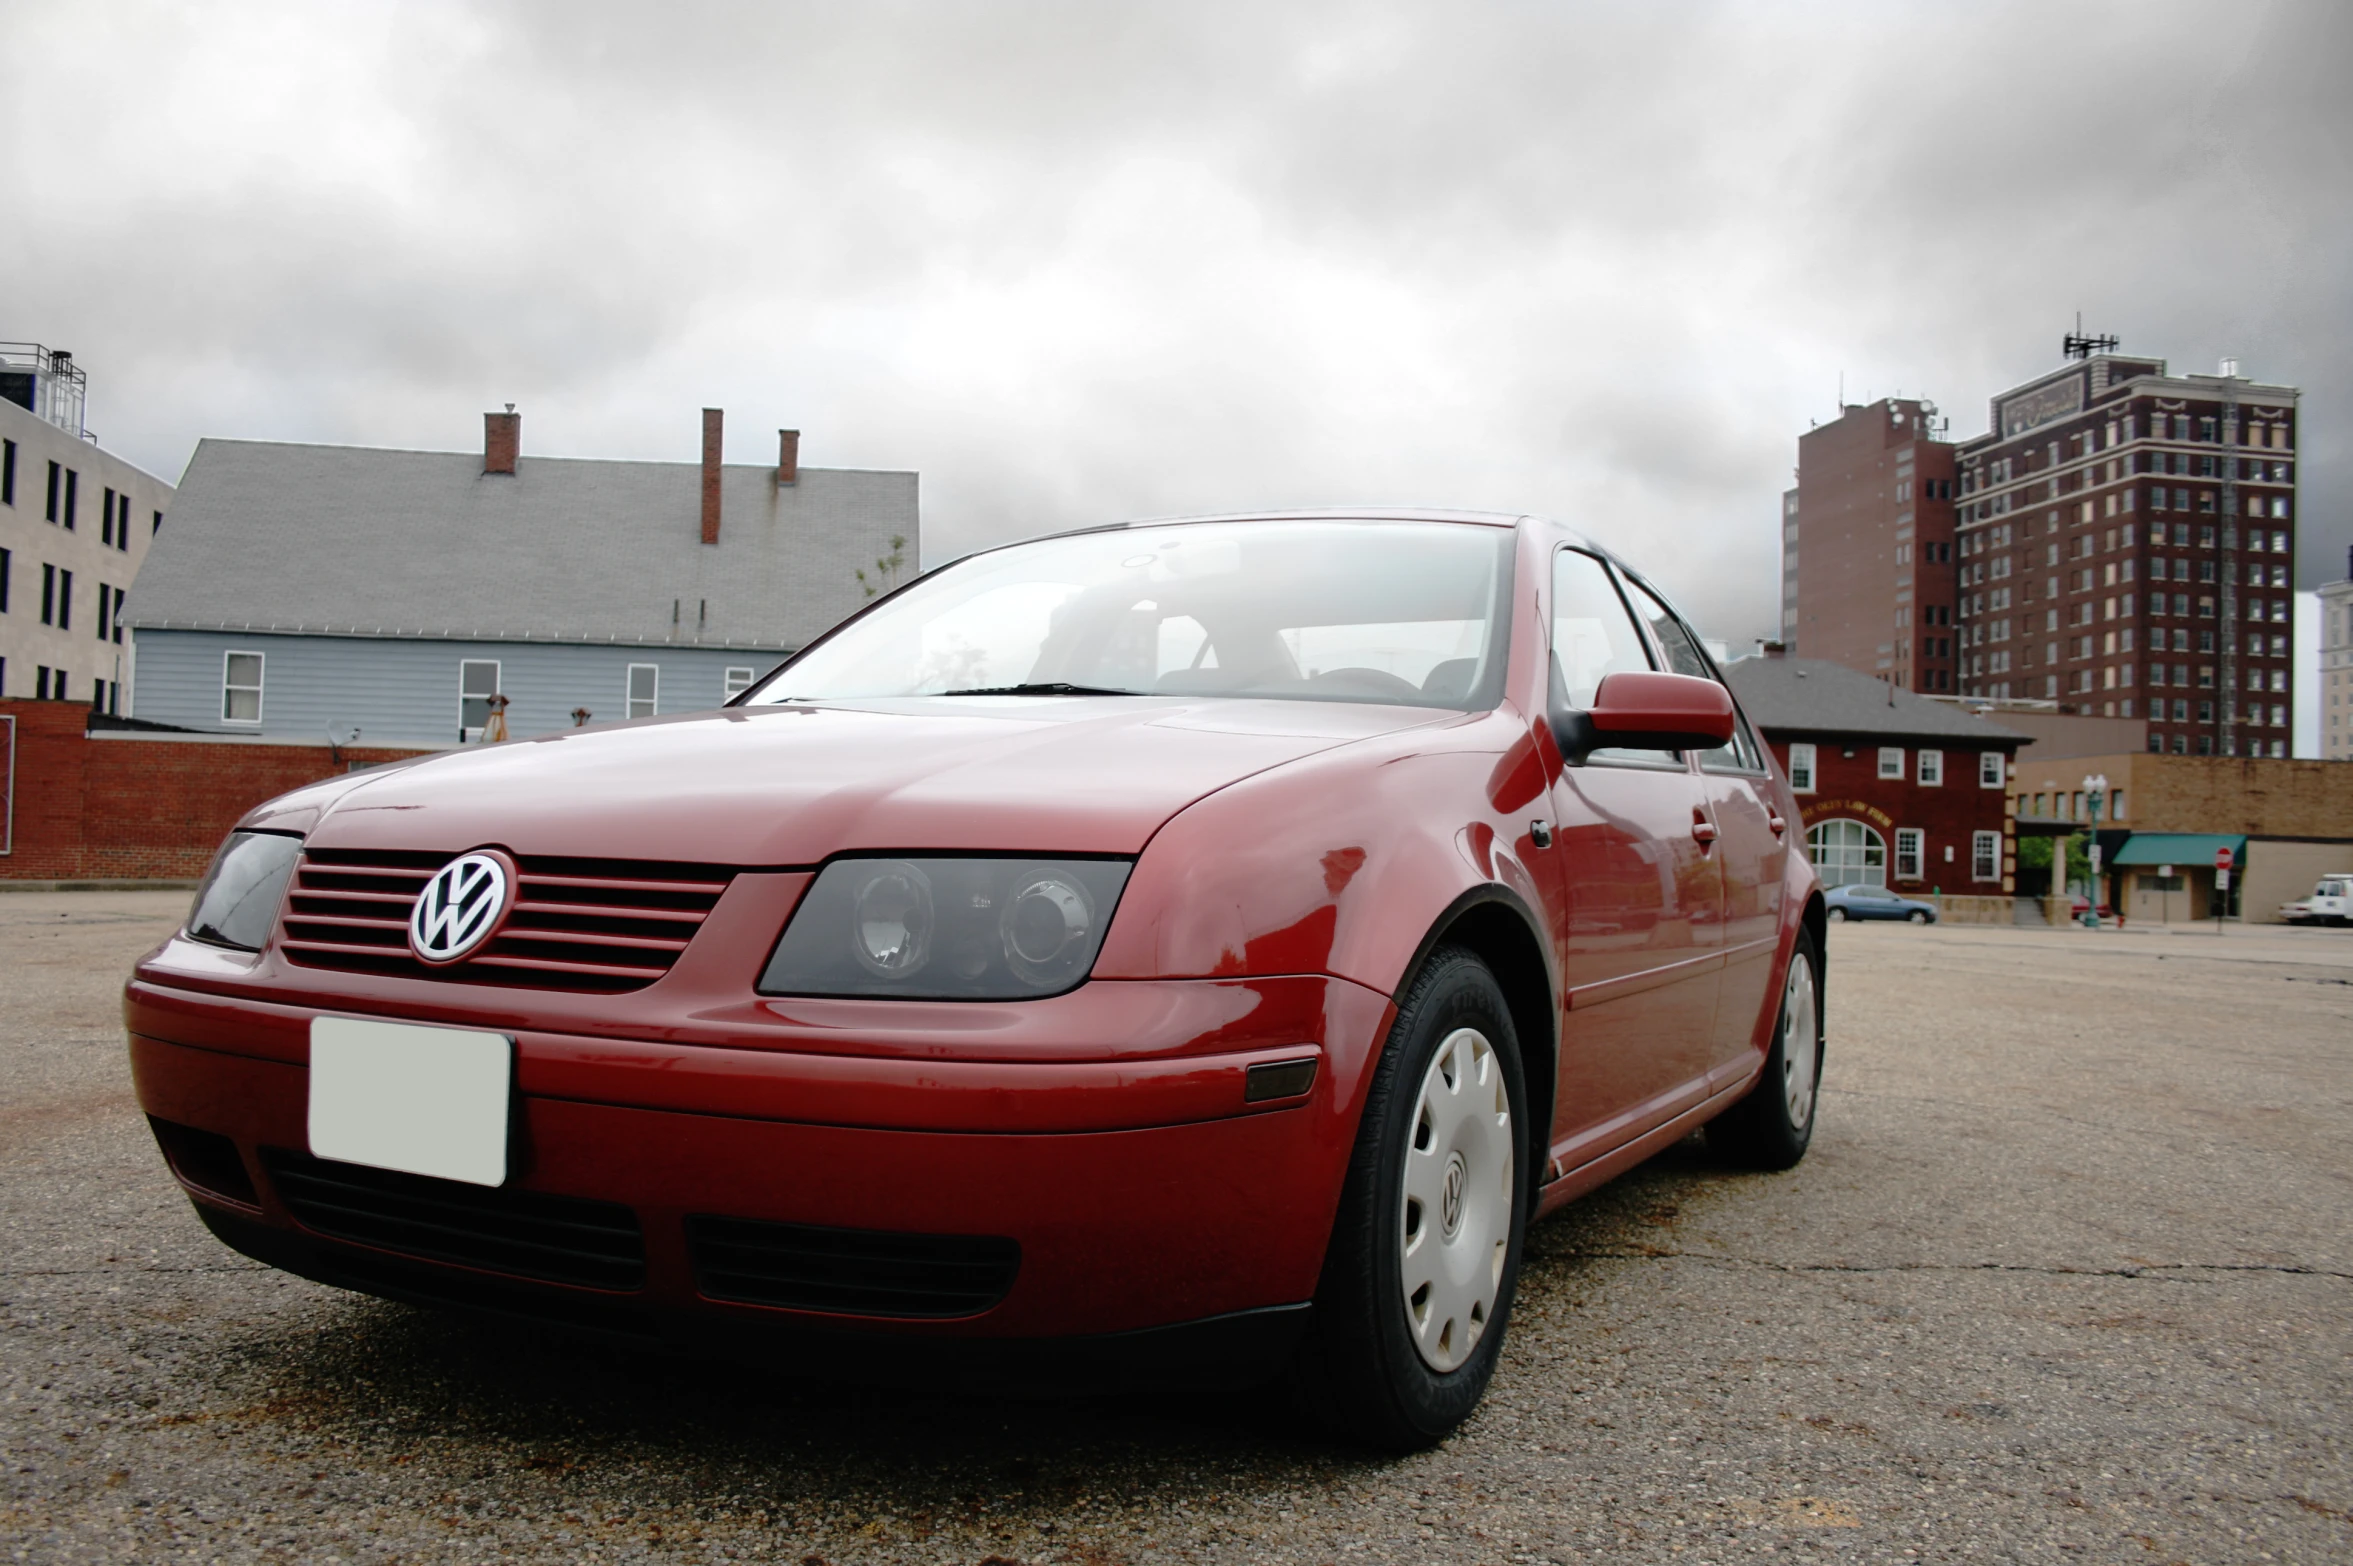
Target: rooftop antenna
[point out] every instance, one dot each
(2077, 346)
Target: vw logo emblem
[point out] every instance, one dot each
(461, 907)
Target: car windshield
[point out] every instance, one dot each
(1405, 613)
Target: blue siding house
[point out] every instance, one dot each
(350, 594)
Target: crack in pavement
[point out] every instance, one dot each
(2176, 1272)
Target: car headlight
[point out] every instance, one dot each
(238, 901)
(947, 929)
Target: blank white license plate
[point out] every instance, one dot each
(429, 1101)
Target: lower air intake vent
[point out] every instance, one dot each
(856, 1272)
(525, 1234)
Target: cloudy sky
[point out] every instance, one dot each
(1108, 258)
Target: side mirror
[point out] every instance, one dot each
(1646, 711)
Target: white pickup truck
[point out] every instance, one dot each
(2331, 902)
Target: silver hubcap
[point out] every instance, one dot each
(1801, 1053)
(1458, 1200)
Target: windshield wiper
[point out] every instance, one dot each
(1041, 688)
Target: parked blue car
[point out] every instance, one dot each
(1876, 902)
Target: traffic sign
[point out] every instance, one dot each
(2222, 859)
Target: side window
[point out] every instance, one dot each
(1593, 637)
(1684, 656)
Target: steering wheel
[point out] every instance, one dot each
(1368, 682)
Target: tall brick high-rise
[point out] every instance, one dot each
(1867, 546)
(2126, 548)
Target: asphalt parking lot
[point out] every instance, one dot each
(2068, 1276)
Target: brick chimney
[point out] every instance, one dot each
(502, 440)
(788, 456)
(712, 418)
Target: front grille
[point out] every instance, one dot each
(524, 1234)
(858, 1272)
(578, 924)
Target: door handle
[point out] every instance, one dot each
(1704, 830)
(1778, 825)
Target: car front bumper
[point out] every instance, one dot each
(1150, 1205)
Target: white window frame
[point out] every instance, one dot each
(1985, 854)
(1930, 768)
(1866, 857)
(473, 731)
(260, 683)
(1990, 769)
(653, 702)
(1911, 854)
(738, 679)
(1802, 769)
(1891, 762)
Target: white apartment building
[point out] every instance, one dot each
(75, 523)
(2336, 666)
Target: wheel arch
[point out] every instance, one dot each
(1815, 921)
(1495, 925)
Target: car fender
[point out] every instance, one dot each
(1345, 863)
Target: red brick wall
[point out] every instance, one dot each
(129, 808)
(1950, 815)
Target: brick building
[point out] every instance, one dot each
(2126, 548)
(1867, 546)
(1894, 789)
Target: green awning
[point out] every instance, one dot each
(2180, 849)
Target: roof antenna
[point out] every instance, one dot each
(2077, 346)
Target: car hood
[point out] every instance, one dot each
(791, 785)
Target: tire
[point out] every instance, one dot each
(1771, 1127)
(1438, 1191)
(1838, 916)
(1917, 916)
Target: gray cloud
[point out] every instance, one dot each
(1077, 261)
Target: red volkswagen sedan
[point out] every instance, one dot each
(1197, 946)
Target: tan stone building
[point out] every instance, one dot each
(2287, 823)
(2336, 666)
(75, 524)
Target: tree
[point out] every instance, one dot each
(886, 569)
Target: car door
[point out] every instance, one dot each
(1751, 849)
(1640, 930)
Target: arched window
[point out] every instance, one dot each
(1847, 853)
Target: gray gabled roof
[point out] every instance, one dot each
(1796, 697)
(348, 540)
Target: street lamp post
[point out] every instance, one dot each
(2095, 789)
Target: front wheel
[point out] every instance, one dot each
(1838, 916)
(1417, 1284)
(1919, 916)
(1771, 1127)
